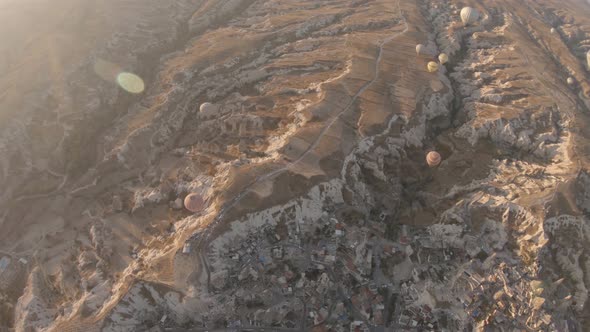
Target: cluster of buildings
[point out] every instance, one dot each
(341, 274)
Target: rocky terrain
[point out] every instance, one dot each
(304, 125)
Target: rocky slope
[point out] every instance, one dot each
(311, 153)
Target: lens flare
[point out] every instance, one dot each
(106, 70)
(130, 82)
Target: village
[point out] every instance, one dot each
(356, 275)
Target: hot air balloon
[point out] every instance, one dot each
(433, 158)
(570, 81)
(436, 85)
(432, 67)
(588, 59)
(207, 106)
(443, 58)
(553, 30)
(420, 49)
(208, 110)
(194, 202)
(469, 15)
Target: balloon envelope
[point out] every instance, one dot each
(432, 67)
(469, 15)
(436, 85)
(207, 106)
(570, 80)
(443, 58)
(588, 59)
(433, 158)
(420, 49)
(194, 202)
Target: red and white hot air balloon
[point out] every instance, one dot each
(433, 158)
(194, 202)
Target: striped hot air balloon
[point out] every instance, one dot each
(433, 158)
(432, 66)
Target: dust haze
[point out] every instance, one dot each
(333, 165)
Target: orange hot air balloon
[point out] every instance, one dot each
(433, 158)
(194, 202)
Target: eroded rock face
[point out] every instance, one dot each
(582, 194)
(34, 308)
(310, 157)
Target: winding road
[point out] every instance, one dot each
(327, 127)
(204, 239)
